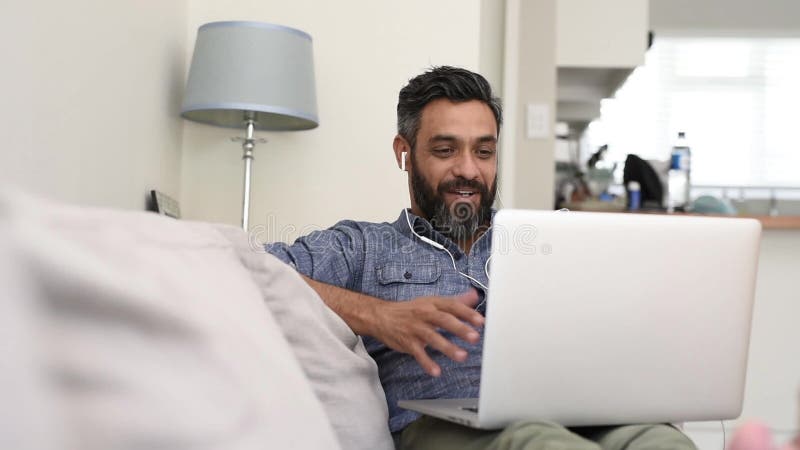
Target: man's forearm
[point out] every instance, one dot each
(356, 309)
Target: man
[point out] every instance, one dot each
(415, 288)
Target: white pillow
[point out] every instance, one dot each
(26, 406)
(343, 375)
(157, 336)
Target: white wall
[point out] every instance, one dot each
(607, 34)
(365, 51)
(725, 15)
(492, 42)
(528, 164)
(90, 95)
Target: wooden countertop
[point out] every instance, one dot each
(767, 222)
(778, 222)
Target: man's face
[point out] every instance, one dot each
(454, 167)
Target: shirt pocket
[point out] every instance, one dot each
(405, 280)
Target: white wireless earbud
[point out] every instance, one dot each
(403, 161)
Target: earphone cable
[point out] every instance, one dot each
(453, 260)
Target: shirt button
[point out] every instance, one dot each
(407, 275)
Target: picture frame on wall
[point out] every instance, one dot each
(164, 205)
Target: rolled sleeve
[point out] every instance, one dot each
(333, 256)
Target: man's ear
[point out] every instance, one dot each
(402, 152)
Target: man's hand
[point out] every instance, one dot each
(411, 326)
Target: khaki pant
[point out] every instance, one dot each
(434, 434)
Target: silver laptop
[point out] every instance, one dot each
(603, 319)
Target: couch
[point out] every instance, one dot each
(131, 330)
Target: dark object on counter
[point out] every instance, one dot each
(639, 170)
(570, 182)
(597, 156)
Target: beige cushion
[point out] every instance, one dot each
(343, 375)
(157, 336)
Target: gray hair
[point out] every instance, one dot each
(452, 83)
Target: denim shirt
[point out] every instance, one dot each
(386, 260)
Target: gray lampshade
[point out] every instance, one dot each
(240, 67)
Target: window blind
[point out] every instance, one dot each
(737, 100)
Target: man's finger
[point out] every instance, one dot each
(461, 308)
(453, 325)
(469, 298)
(449, 349)
(425, 361)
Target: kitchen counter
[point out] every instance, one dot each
(778, 222)
(767, 222)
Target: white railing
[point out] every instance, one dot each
(751, 192)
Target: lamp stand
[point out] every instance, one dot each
(248, 144)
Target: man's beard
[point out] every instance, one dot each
(460, 221)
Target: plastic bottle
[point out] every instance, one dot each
(634, 196)
(679, 180)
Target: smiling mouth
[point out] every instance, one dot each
(464, 193)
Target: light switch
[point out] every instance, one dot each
(537, 120)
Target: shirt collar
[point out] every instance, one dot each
(420, 225)
(424, 228)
